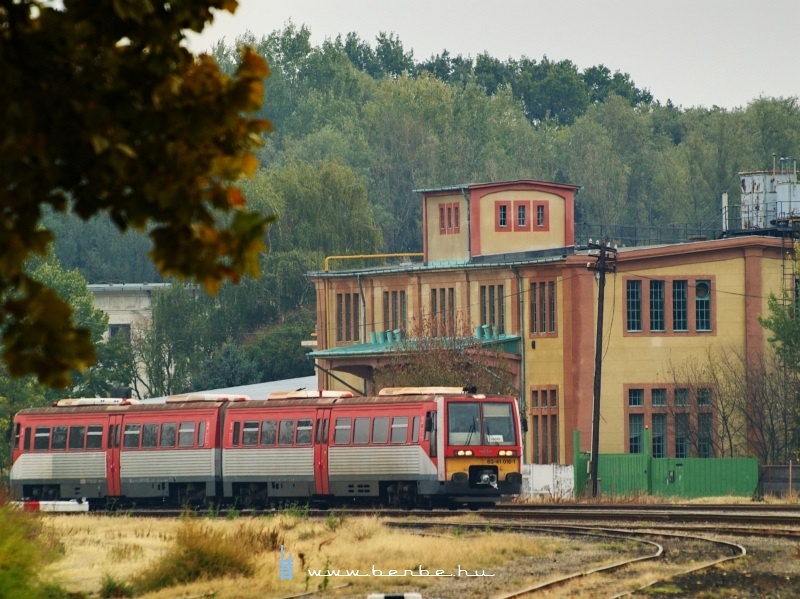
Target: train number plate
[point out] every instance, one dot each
(501, 461)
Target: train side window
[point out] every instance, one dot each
(17, 432)
(150, 434)
(430, 432)
(380, 429)
(304, 431)
(361, 431)
(286, 435)
(415, 430)
(201, 434)
(400, 429)
(167, 435)
(235, 436)
(94, 436)
(77, 435)
(186, 434)
(341, 431)
(41, 438)
(130, 437)
(27, 438)
(250, 433)
(109, 442)
(59, 441)
(269, 430)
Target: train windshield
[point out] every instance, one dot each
(473, 423)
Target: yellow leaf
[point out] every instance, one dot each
(249, 164)
(99, 143)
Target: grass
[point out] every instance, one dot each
(241, 558)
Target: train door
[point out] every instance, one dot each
(112, 455)
(321, 452)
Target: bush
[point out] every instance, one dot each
(115, 589)
(24, 548)
(198, 552)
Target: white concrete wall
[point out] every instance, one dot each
(548, 481)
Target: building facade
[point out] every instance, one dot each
(502, 258)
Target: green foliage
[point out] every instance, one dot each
(276, 352)
(100, 251)
(335, 520)
(228, 366)
(24, 549)
(198, 553)
(359, 126)
(151, 135)
(112, 588)
(297, 510)
(784, 328)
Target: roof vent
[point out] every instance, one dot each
(309, 394)
(94, 401)
(206, 397)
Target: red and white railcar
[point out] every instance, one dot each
(114, 449)
(406, 446)
(387, 448)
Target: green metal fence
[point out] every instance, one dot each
(641, 474)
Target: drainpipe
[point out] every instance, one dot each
(465, 193)
(523, 384)
(363, 309)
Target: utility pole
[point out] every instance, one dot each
(606, 261)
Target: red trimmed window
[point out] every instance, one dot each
(522, 215)
(541, 216)
(449, 218)
(502, 216)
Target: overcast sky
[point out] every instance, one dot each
(694, 52)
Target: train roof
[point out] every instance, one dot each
(122, 408)
(389, 396)
(376, 400)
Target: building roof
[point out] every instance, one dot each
(466, 186)
(509, 344)
(126, 287)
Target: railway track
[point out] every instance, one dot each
(661, 514)
(662, 555)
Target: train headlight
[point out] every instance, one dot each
(463, 452)
(508, 452)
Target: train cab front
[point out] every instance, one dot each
(483, 456)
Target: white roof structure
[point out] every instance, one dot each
(257, 391)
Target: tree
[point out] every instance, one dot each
(105, 111)
(430, 357)
(100, 251)
(753, 400)
(276, 352)
(784, 328)
(113, 366)
(228, 367)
